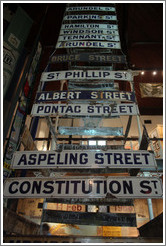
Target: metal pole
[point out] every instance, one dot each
(138, 118)
(53, 143)
(149, 201)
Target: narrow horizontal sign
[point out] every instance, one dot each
(86, 57)
(83, 159)
(88, 44)
(74, 187)
(88, 31)
(54, 96)
(88, 74)
(96, 86)
(97, 131)
(89, 25)
(82, 218)
(88, 37)
(90, 17)
(91, 8)
(69, 110)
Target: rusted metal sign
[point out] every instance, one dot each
(75, 187)
(82, 218)
(97, 131)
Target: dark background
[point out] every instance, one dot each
(141, 35)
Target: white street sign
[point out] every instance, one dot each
(88, 37)
(83, 159)
(88, 31)
(91, 8)
(88, 74)
(90, 17)
(69, 110)
(81, 187)
(88, 44)
(90, 25)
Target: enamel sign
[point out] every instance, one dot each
(80, 187)
(88, 74)
(88, 37)
(90, 17)
(89, 57)
(88, 31)
(91, 8)
(89, 218)
(82, 159)
(88, 44)
(97, 131)
(69, 110)
(89, 25)
(55, 96)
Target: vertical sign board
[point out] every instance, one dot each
(20, 114)
(14, 40)
(80, 187)
(83, 159)
(84, 110)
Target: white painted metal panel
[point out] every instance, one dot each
(87, 75)
(88, 44)
(88, 31)
(90, 25)
(55, 96)
(81, 187)
(91, 8)
(90, 17)
(83, 159)
(88, 37)
(69, 110)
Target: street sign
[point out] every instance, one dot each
(91, 8)
(90, 17)
(86, 75)
(88, 31)
(88, 44)
(88, 37)
(55, 96)
(84, 110)
(80, 187)
(83, 159)
(91, 131)
(112, 86)
(90, 218)
(89, 25)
